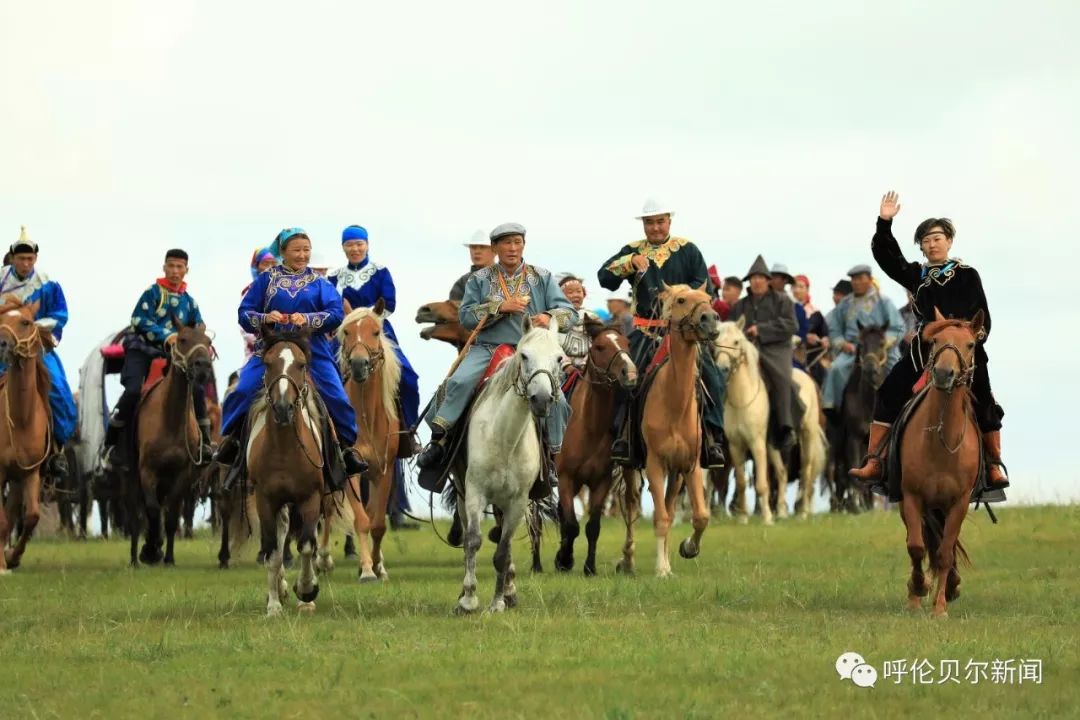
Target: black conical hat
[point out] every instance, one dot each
(760, 267)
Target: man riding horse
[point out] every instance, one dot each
(26, 284)
(152, 335)
(955, 289)
(495, 299)
(647, 265)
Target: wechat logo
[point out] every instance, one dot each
(852, 666)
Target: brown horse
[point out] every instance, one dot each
(25, 440)
(583, 461)
(444, 323)
(940, 453)
(373, 371)
(671, 427)
(169, 446)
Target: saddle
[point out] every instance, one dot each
(891, 470)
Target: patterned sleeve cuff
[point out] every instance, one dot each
(622, 267)
(488, 310)
(254, 320)
(561, 318)
(317, 319)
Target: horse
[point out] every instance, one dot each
(25, 437)
(373, 372)
(856, 414)
(284, 454)
(746, 416)
(671, 426)
(444, 323)
(583, 462)
(940, 455)
(168, 445)
(505, 454)
(812, 451)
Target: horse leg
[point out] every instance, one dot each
(631, 509)
(224, 509)
(911, 511)
(307, 584)
(691, 546)
(946, 561)
(779, 476)
(568, 523)
(654, 471)
(133, 519)
(597, 498)
(173, 514)
(362, 528)
(502, 560)
(471, 509)
(270, 548)
(5, 531)
(535, 525)
(380, 497)
(739, 507)
(761, 479)
(324, 561)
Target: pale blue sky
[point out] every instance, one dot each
(127, 128)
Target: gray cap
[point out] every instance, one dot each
(781, 269)
(505, 229)
(859, 270)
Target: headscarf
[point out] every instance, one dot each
(256, 259)
(283, 238)
(354, 232)
(808, 306)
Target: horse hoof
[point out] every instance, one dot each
(510, 600)
(497, 607)
(663, 574)
(367, 578)
(563, 564)
(170, 562)
(381, 574)
(305, 607)
(914, 604)
(287, 563)
(495, 534)
(466, 607)
(589, 569)
(688, 549)
(623, 568)
(223, 565)
(4, 571)
(942, 615)
(952, 595)
(306, 597)
(768, 521)
(273, 611)
(537, 569)
(742, 520)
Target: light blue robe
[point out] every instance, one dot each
(870, 310)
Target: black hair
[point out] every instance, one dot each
(930, 223)
(177, 254)
(733, 281)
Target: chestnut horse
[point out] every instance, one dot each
(671, 426)
(373, 372)
(940, 454)
(584, 461)
(25, 439)
(444, 323)
(169, 445)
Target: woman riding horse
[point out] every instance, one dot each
(292, 294)
(956, 290)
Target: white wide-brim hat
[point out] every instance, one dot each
(654, 207)
(479, 237)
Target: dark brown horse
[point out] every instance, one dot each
(169, 446)
(940, 453)
(584, 460)
(25, 440)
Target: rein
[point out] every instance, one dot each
(24, 349)
(180, 361)
(739, 362)
(687, 325)
(967, 373)
(298, 404)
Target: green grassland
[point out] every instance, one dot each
(750, 628)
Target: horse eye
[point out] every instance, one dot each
(681, 300)
(971, 346)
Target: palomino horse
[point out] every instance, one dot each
(746, 416)
(284, 455)
(25, 439)
(444, 323)
(812, 450)
(671, 426)
(504, 454)
(856, 413)
(940, 454)
(373, 371)
(169, 445)
(583, 462)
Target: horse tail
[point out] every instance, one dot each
(243, 520)
(933, 531)
(341, 507)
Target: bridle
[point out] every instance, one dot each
(595, 376)
(521, 386)
(688, 325)
(302, 392)
(739, 360)
(24, 349)
(181, 361)
(376, 356)
(964, 380)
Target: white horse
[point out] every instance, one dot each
(813, 449)
(504, 454)
(746, 415)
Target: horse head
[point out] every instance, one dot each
(731, 348)
(539, 363)
(20, 338)
(689, 311)
(443, 321)
(285, 380)
(361, 338)
(873, 348)
(609, 355)
(193, 353)
(952, 349)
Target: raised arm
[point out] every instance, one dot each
(617, 268)
(886, 250)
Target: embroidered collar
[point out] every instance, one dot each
(24, 287)
(360, 265)
(940, 268)
(175, 289)
(661, 252)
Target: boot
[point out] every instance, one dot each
(996, 479)
(228, 450)
(57, 466)
(548, 477)
(112, 452)
(435, 452)
(875, 455)
(712, 448)
(206, 449)
(354, 464)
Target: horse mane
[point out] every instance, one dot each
(933, 328)
(301, 339)
(503, 379)
(391, 378)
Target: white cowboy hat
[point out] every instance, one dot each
(479, 237)
(654, 207)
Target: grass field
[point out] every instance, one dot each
(753, 627)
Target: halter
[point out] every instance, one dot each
(686, 323)
(302, 392)
(739, 361)
(180, 361)
(521, 387)
(27, 347)
(967, 374)
(376, 356)
(24, 349)
(596, 376)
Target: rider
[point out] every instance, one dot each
(292, 294)
(261, 261)
(647, 265)
(955, 289)
(864, 307)
(21, 280)
(576, 340)
(151, 335)
(361, 283)
(481, 255)
(769, 318)
(497, 296)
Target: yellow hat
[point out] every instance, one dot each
(24, 244)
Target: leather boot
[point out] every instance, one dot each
(875, 455)
(206, 451)
(996, 472)
(354, 464)
(548, 477)
(57, 465)
(435, 452)
(712, 450)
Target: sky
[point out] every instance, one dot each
(127, 128)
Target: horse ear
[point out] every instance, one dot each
(526, 324)
(978, 322)
(176, 321)
(33, 308)
(741, 323)
(594, 327)
(704, 287)
(937, 314)
(380, 307)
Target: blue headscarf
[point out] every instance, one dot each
(283, 238)
(257, 257)
(353, 232)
